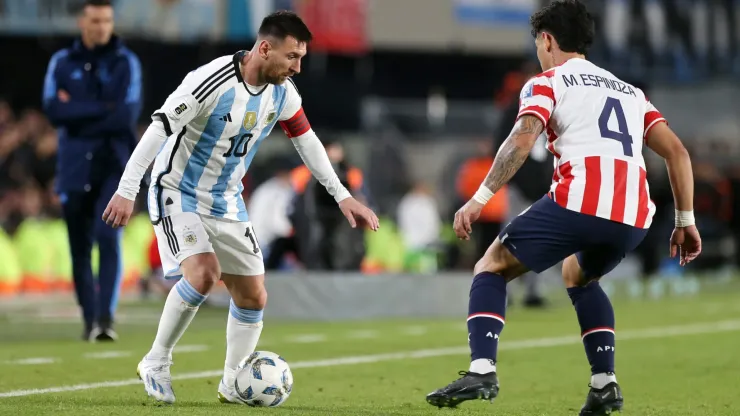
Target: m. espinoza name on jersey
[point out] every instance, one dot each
(589, 80)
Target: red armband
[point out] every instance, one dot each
(296, 125)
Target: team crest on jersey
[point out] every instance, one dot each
(250, 120)
(189, 238)
(527, 92)
(270, 117)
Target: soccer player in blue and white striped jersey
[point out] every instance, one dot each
(202, 141)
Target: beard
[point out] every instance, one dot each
(275, 76)
(275, 79)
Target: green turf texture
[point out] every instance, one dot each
(689, 374)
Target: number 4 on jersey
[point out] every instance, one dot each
(623, 135)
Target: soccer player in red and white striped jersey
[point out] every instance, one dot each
(591, 119)
(597, 210)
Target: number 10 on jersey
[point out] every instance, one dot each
(623, 136)
(238, 145)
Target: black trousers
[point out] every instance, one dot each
(82, 212)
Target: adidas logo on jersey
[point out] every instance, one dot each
(227, 117)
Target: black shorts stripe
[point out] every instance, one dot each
(174, 236)
(158, 183)
(169, 231)
(166, 227)
(166, 122)
(215, 87)
(213, 75)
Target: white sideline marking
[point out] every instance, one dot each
(308, 338)
(363, 334)
(33, 361)
(647, 333)
(180, 349)
(107, 354)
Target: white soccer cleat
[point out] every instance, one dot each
(157, 379)
(228, 394)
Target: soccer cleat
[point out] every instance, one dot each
(603, 401)
(470, 386)
(106, 332)
(157, 379)
(90, 333)
(227, 394)
(107, 335)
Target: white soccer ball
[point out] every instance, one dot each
(263, 380)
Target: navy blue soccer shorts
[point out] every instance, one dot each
(547, 233)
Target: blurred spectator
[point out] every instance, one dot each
(713, 210)
(325, 239)
(92, 93)
(418, 218)
(471, 174)
(420, 225)
(268, 211)
(6, 115)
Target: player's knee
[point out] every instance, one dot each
(500, 261)
(203, 273)
(572, 273)
(254, 298)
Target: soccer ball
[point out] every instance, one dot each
(263, 380)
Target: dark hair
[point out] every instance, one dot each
(282, 24)
(569, 22)
(97, 3)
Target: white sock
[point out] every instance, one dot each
(598, 381)
(243, 330)
(482, 366)
(179, 310)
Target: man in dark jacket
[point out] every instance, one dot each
(92, 94)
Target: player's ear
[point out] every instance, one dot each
(264, 48)
(547, 41)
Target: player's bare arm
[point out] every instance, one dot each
(685, 240)
(509, 158)
(513, 152)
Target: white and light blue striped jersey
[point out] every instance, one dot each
(215, 123)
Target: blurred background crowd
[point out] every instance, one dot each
(411, 98)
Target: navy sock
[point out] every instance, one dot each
(596, 317)
(486, 313)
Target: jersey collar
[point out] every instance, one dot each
(237, 63)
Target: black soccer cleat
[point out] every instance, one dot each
(603, 401)
(470, 386)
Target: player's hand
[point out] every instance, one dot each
(686, 243)
(63, 96)
(118, 211)
(465, 217)
(357, 213)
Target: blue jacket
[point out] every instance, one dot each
(97, 127)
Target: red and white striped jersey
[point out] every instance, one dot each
(596, 125)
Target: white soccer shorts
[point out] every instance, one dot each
(185, 234)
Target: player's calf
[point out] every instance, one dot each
(596, 318)
(243, 327)
(486, 318)
(200, 272)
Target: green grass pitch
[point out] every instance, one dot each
(675, 356)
